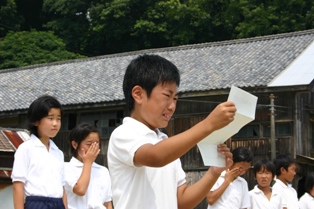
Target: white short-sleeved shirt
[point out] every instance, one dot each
(288, 194)
(260, 201)
(141, 187)
(236, 195)
(306, 201)
(40, 171)
(98, 191)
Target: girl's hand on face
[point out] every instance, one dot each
(91, 154)
(232, 174)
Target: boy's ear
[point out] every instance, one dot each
(137, 94)
(74, 144)
(36, 123)
(282, 170)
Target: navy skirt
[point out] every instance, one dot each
(38, 202)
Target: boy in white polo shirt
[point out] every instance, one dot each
(285, 171)
(262, 196)
(230, 190)
(143, 162)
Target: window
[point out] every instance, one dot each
(281, 129)
(106, 122)
(248, 131)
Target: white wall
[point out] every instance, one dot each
(6, 197)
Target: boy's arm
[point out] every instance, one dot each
(88, 158)
(108, 205)
(65, 199)
(213, 196)
(170, 149)
(18, 195)
(190, 196)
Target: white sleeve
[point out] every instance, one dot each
(21, 164)
(70, 177)
(246, 196)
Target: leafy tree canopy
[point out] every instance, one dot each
(24, 48)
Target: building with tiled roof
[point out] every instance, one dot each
(279, 66)
(244, 63)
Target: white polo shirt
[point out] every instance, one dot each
(141, 187)
(260, 201)
(288, 194)
(99, 188)
(236, 195)
(306, 201)
(40, 170)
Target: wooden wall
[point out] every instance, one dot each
(191, 111)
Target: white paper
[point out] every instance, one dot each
(246, 106)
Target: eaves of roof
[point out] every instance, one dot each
(204, 67)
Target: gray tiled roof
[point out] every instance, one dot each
(244, 63)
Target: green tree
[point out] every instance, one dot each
(9, 18)
(19, 49)
(262, 17)
(69, 21)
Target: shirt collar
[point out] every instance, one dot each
(257, 190)
(144, 129)
(278, 181)
(78, 163)
(38, 143)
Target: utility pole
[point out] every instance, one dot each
(272, 127)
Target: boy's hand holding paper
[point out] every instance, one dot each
(246, 105)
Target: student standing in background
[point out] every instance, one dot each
(38, 171)
(88, 184)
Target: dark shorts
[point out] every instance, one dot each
(38, 202)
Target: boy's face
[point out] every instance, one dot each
(312, 192)
(290, 173)
(157, 110)
(264, 178)
(49, 126)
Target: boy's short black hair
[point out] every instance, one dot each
(148, 71)
(79, 133)
(40, 109)
(309, 182)
(242, 154)
(283, 161)
(264, 164)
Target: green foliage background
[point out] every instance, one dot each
(78, 28)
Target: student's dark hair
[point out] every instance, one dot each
(309, 182)
(242, 154)
(283, 161)
(148, 71)
(40, 109)
(264, 164)
(79, 133)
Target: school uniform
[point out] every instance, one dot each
(306, 201)
(41, 171)
(288, 194)
(236, 195)
(260, 201)
(136, 186)
(98, 191)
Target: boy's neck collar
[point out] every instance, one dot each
(283, 180)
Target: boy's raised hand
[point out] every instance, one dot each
(90, 155)
(223, 149)
(222, 115)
